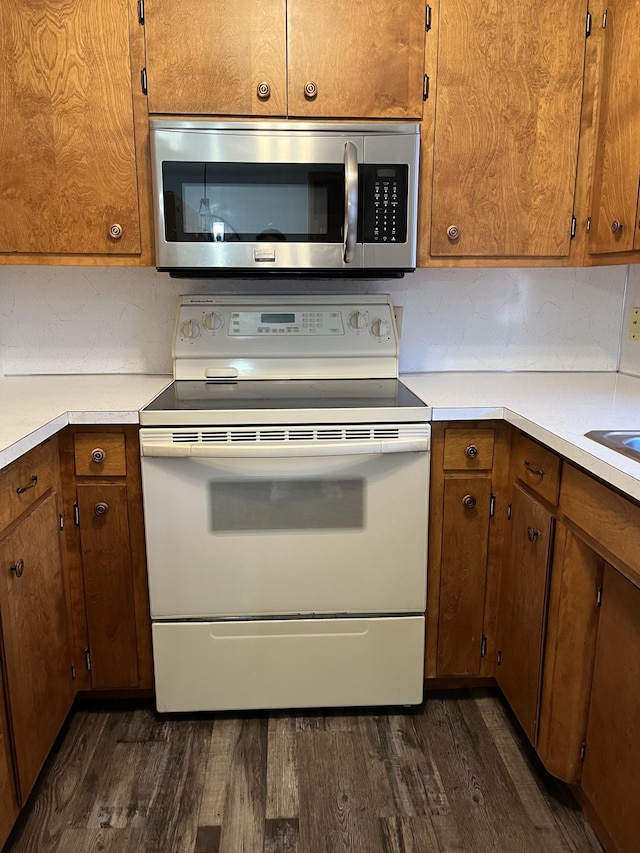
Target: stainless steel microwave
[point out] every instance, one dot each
(253, 198)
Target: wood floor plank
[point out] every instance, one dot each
(282, 769)
(281, 836)
(224, 737)
(109, 840)
(409, 835)
(207, 839)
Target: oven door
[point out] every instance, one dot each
(268, 531)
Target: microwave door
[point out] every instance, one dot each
(265, 204)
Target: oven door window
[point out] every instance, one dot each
(294, 504)
(253, 202)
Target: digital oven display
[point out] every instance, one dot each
(277, 318)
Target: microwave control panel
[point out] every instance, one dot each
(385, 200)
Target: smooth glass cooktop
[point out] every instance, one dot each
(188, 395)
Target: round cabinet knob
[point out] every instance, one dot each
(190, 329)
(18, 568)
(471, 452)
(101, 508)
(532, 534)
(212, 321)
(453, 233)
(380, 329)
(98, 454)
(310, 90)
(264, 91)
(358, 320)
(616, 227)
(115, 232)
(469, 502)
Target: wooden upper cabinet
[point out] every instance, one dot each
(224, 58)
(67, 139)
(507, 120)
(364, 60)
(614, 199)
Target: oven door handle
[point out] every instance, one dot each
(350, 201)
(419, 444)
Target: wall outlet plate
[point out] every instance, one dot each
(397, 313)
(634, 325)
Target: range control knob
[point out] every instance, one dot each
(358, 320)
(212, 321)
(380, 329)
(190, 329)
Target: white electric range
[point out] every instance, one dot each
(285, 483)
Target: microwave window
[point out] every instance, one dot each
(245, 203)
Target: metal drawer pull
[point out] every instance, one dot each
(18, 568)
(537, 471)
(98, 455)
(310, 90)
(533, 534)
(22, 489)
(264, 91)
(469, 502)
(616, 227)
(471, 451)
(101, 508)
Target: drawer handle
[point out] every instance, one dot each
(471, 451)
(537, 471)
(18, 568)
(533, 534)
(469, 502)
(22, 489)
(101, 508)
(98, 455)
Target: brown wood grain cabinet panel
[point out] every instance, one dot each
(614, 200)
(572, 627)
(465, 537)
(100, 455)
(536, 467)
(366, 58)
(507, 124)
(26, 480)
(468, 449)
(208, 58)
(610, 773)
(35, 637)
(67, 129)
(8, 800)
(523, 608)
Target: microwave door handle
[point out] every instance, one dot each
(350, 201)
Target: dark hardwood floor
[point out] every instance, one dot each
(453, 775)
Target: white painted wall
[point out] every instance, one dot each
(630, 350)
(120, 320)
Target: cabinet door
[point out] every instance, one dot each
(66, 129)
(614, 200)
(8, 803)
(108, 585)
(465, 537)
(610, 772)
(364, 59)
(508, 104)
(218, 58)
(523, 606)
(36, 639)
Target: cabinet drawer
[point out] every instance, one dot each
(468, 449)
(25, 481)
(100, 455)
(536, 467)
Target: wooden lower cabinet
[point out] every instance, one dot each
(523, 608)
(8, 800)
(107, 559)
(612, 758)
(37, 659)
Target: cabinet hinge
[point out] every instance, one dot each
(143, 81)
(599, 597)
(588, 224)
(76, 514)
(499, 657)
(483, 646)
(425, 87)
(427, 17)
(604, 19)
(588, 25)
(60, 521)
(73, 673)
(583, 751)
(574, 223)
(509, 513)
(87, 658)
(141, 12)
(492, 506)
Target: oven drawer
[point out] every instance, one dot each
(292, 663)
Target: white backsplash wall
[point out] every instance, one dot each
(630, 349)
(120, 320)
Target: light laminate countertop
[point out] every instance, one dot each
(555, 408)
